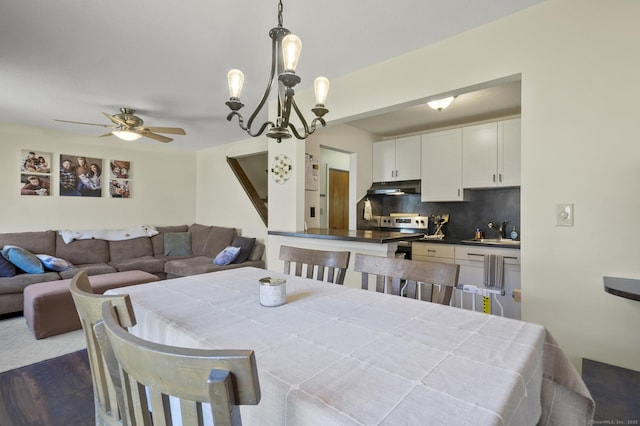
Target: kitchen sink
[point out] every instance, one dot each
(496, 241)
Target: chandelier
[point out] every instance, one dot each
(285, 51)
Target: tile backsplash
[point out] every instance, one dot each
(484, 206)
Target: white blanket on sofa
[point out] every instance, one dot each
(108, 234)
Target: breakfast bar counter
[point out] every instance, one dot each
(363, 236)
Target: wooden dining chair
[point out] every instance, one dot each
(431, 281)
(316, 261)
(224, 379)
(108, 398)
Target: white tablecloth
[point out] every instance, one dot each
(335, 355)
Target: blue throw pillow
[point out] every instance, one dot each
(226, 256)
(54, 263)
(6, 268)
(23, 259)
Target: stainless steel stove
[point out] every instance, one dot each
(404, 222)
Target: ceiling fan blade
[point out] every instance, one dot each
(106, 134)
(171, 130)
(115, 119)
(89, 124)
(157, 137)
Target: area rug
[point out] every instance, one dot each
(54, 392)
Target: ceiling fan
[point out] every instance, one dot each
(130, 127)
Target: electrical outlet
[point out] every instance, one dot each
(564, 214)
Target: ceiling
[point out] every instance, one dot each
(74, 59)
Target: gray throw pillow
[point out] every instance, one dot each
(177, 244)
(246, 245)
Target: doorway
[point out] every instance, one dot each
(338, 198)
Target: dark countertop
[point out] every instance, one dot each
(380, 237)
(623, 287)
(467, 243)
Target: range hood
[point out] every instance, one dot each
(395, 188)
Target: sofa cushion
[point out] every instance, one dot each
(197, 265)
(144, 263)
(226, 256)
(17, 283)
(177, 244)
(35, 242)
(257, 251)
(199, 235)
(53, 263)
(157, 241)
(6, 268)
(81, 252)
(246, 245)
(90, 268)
(129, 249)
(23, 259)
(219, 238)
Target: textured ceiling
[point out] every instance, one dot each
(74, 59)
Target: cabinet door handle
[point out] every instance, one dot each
(494, 178)
(458, 192)
(431, 252)
(500, 177)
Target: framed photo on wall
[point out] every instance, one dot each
(80, 176)
(120, 175)
(120, 188)
(35, 172)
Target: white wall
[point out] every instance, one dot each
(163, 189)
(220, 198)
(579, 145)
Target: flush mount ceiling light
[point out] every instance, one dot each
(440, 104)
(284, 59)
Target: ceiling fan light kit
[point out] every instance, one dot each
(129, 127)
(285, 53)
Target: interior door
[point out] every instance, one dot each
(338, 199)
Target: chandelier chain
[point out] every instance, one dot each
(280, 13)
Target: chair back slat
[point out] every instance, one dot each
(108, 396)
(182, 373)
(315, 262)
(439, 278)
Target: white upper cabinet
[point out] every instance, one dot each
(397, 159)
(442, 166)
(491, 154)
(509, 152)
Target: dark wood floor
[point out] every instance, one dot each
(616, 392)
(56, 392)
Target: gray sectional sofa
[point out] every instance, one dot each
(149, 254)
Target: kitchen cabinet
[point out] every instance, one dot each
(471, 261)
(397, 159)
(491, 154)
(442, 166)
(432, 252)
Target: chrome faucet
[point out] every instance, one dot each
(500, 229)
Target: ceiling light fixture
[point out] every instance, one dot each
(440, 104)
(285, 52)
(126, 135)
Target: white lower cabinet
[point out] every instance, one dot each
(432, 252)
(471, 261)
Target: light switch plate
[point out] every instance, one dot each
(564, 214)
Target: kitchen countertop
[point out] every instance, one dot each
(466, 243)
(363, 236)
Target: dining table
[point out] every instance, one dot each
(333, 355)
